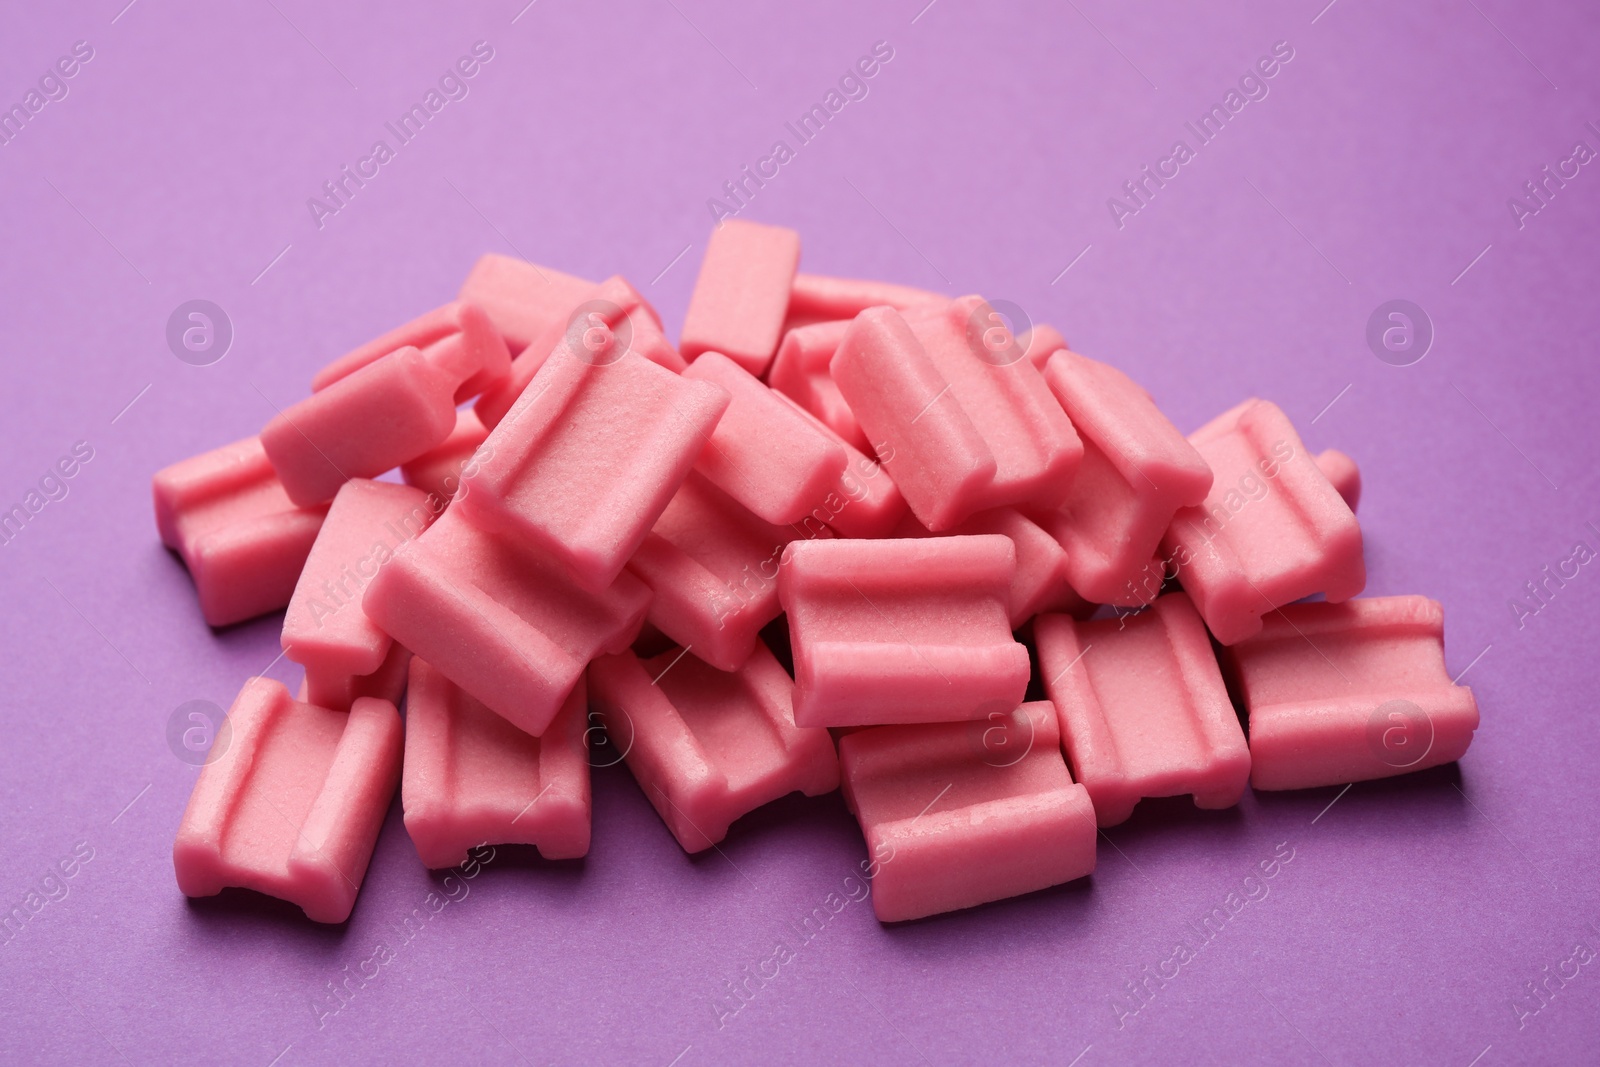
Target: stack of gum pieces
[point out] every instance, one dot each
(528, 511)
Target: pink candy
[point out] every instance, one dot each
(742, 294)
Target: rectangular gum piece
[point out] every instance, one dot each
(587, 460)
(1137, 471)
(713, 568)
(605, 305)
(293, 806)
(927, 442)
(379, 407)
(1035, 447)
(499, 618)
(324, 628)
(522, 299)
(817, 297)
(438, 472)
(960, 814)
(241, 537)
(742, 294)
(471, 778)
(901, 630)
(1144, 711)
(864, 501)
(1272, 530)
(800, 372)
(763, 452)
(1340, 693)
(708, 746)
(1040, 582)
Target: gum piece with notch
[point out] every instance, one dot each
(241, 537)
(713, 569)
(742, 294)
(709, 746)
(1040, 582)
(293, 807)
(471, 778)
(1272, 530)
(953, 819)
(1339, 693)
(522, 299)
(324, 629)
(1137, 471)
(901, 630)
(381, 406)
(499, 618)
(1144, 712)
(586, 461)
(339, 691)
(763, 452)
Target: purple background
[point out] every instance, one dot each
(1378, 167)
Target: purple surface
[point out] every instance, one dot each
(1379, 166)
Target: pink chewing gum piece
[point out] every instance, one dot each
(713, 568)
(522, 299)
(1144, 712)
(457, 338)
(1040, 582)
(324, 629)
(1340, 693)
(1342, 473)
(864, 502)
(1040, 343)
(1137, 471)
(763, 452)
(960, 814)
(438, 472)
(817, 297)
(709, 746)
(587, 460)
(901, 630)
(741, 294)
(800, 372)
(1271, 531)
(338, 692)
(241, 537)
(1036, 449)
(925, 440)
(499, 618)
(599, 310)
(293, 807)
(471, 778)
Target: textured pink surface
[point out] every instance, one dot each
(1339, 693)
(324, 629)
(437, 472)
(471, 778)
(818, 297)
(959, 814)
(741, 294)
(1040, 343)
(588, 458)
(800, 372)
(1342, 473)
(1272, 529)
(1040, 582)
(603, 306)
(292, 808)
(925, 440)
(458, 337)
(522, 299)
(338, 691)
(1035, 447)
(864, 502)
(901, 630)
(1137, 471)
(499, 619)
(242, 538)
(708, 746)
(713, 569)
(763, 452)
(1144, 712)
